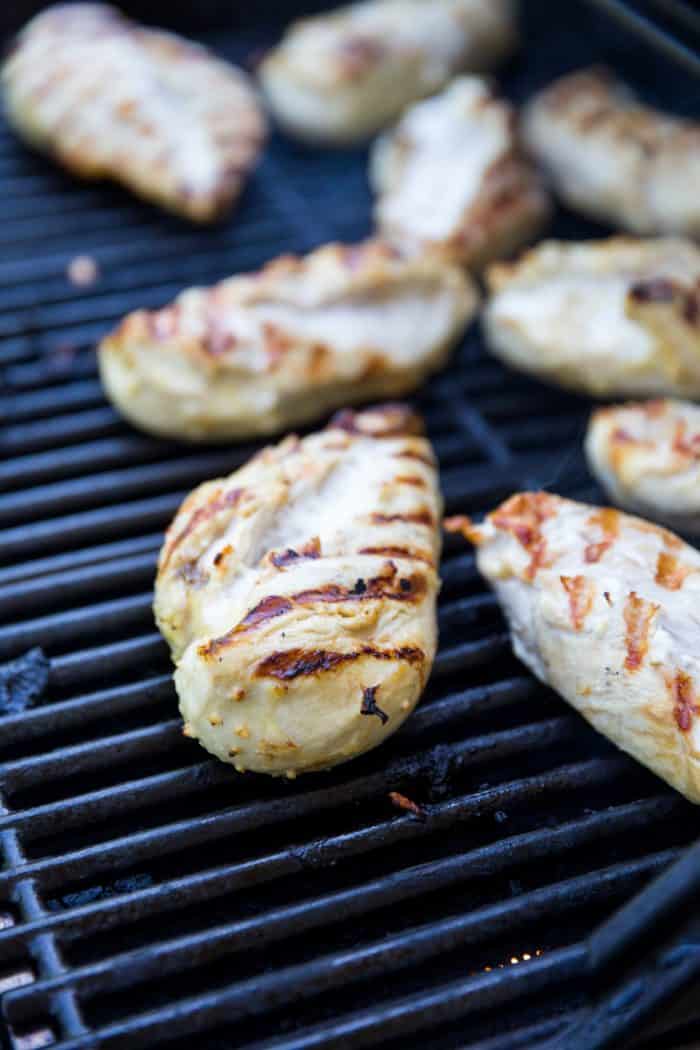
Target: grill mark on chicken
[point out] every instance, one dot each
(685, 445)
(683, 695)
(411, 479)
(670, 572)
(638, 615)
(523, 515)
(276, 342)
(412, 453)
(294, 663)
(220, 501)
(581, 594)
(370, 706)
(419, 517)
(408, 589)
(608, 520)
(399, 552)
(310, 550)
(270, 607)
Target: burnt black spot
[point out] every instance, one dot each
(280, 558)
(405, 585)
(360, 587)
(691, 308)
(370, 706)
(193, 575)
(655, 290)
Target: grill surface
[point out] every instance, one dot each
(149, 891)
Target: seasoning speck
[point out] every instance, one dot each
(407, 804)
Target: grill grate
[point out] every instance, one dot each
(147, 891)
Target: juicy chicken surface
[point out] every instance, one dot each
(647, 457)
(264, 351)
(613, 317)
(605, 608)
(298, 595)
(452, 180)
(613, 158)
(108, 98)
(339, 77)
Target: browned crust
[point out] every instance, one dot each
(419, 517)
(670, 572)
(607, 519)
(524, 515)
(684, 700)
(638, 615)
(420, 457)
(581, 593)
(310, 550)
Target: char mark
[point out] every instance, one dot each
(220, 502)
(288, 664)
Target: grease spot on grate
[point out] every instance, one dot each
(22, 681)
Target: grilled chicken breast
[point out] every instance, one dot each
(647, 457)
(613, 317)
(452, 181)
(613, 158)
(604, 608)
(110, 99)
(298, 595)
(263, 351)
(341, 76)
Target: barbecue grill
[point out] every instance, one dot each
(151, 895)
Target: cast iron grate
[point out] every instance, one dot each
(150, 893)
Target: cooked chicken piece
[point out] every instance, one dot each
(298, 595)
(647, 457)
(339, 77)
(263, 351)
(614, 159)
(110, 99)
(451, 179)
(604, 608)
(614, 317)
